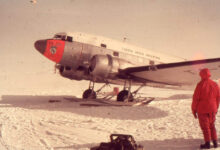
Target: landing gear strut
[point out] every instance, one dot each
(89, 93)
(125, 94)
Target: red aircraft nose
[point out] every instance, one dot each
(52, 49)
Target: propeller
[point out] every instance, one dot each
(59, 67)
(55, 68)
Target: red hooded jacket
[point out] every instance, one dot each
(206, 94)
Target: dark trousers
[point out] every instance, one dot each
(207, 124)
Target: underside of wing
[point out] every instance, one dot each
(177, 74)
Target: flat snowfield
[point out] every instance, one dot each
(31, 122)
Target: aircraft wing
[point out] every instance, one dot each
(177, 74)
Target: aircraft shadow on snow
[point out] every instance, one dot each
(82, 107)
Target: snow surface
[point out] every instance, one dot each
(29, 122)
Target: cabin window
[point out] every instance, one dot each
(103, 45)
(115, 54)
(69, 38)
(151, 62)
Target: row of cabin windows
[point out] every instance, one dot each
(70, 39)
(116, 54)
(141, 60)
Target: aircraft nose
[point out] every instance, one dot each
(40, 45)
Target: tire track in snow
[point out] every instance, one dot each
(44, 143)
(35, 133)
(2, 143)
(52, 131)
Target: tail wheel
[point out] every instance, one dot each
(123, 96)
(89, 94)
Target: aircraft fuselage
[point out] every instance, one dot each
(82, 56)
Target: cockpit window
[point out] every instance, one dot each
(64, 37)
(57, 36)
(69, 38)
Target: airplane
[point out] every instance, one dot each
(82, 56)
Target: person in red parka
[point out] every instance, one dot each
(205, 106)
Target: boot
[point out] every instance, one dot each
(205, 146)
(215, 143)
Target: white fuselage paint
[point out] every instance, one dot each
(137, 55)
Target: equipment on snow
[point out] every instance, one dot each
(119, 142)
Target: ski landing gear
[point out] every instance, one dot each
(123, 96)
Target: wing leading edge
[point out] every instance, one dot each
(177, 74)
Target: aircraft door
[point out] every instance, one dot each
(85, 55)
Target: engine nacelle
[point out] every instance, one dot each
(107, 66)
